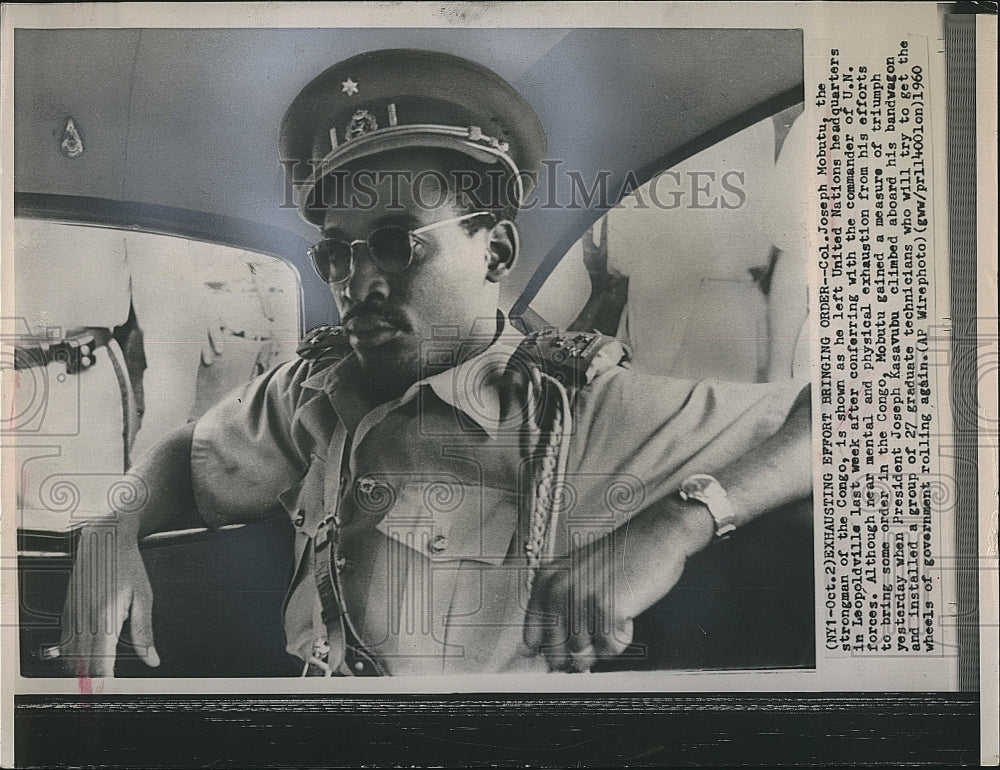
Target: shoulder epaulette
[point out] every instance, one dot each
(324, 342)
(575, 358)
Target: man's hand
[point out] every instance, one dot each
(582, 607)
(595, 255)
(608, 292)
(109, 580)
(108, 584)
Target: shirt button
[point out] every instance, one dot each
(439, 544)
(359, 665)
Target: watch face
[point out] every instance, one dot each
(697, 484)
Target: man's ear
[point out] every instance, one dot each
(503, 247)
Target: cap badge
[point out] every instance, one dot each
(362, 122)
(349, 87)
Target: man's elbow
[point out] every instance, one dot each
(163, 478)
(802, 406)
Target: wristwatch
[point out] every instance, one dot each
(706, 489)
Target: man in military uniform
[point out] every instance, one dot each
(466, 499)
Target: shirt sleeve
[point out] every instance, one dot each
(250, 447)
(638, 435)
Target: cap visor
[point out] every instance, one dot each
(375, 144)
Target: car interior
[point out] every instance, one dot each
(158, 264)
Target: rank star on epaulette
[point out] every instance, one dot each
(323, 341)
(349, 87)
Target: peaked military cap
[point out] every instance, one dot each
(386, 100)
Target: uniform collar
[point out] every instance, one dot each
(473, 387)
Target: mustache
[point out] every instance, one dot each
(378, 310)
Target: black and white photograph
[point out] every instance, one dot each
(348, 352)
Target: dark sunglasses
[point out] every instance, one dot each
(390, 248)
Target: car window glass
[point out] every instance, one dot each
(122, 336)
(706, 263)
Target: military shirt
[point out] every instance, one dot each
(431, 559)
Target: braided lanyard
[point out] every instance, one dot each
(548, 492)
(327, 563)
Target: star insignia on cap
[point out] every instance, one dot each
(349, 87)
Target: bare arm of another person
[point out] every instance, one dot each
(643, 559)
(608, 293)
(109, 581)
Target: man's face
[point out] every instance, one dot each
(443, 292)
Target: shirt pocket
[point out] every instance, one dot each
(446, 519)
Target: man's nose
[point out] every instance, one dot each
(366, 278)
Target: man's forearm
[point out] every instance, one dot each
(162, 480)
(769, 476)
(603, 310)
(773, 474)
(109, 581)
(777, 472)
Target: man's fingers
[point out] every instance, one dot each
(141, 621)
(534, 620)
(554, 645)
(100, 661)
(560, 636)
(583, 660)
(91, 651)
(580, 645)
(99, 643)
(582, 630)
(614, 643)
(95, 608)
(544, 629)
